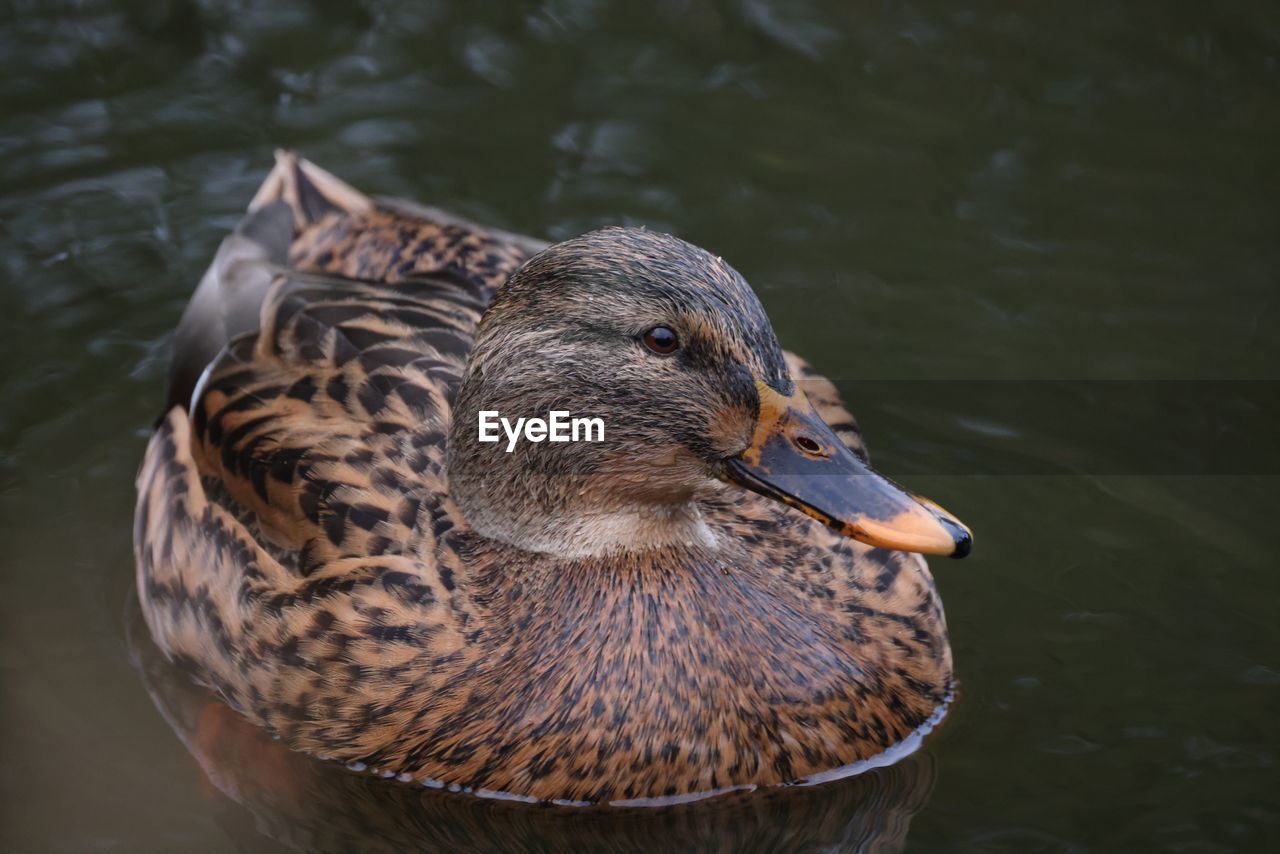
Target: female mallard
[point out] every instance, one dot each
(324, 540)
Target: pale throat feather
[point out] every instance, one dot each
(599, 534)
(604, 517)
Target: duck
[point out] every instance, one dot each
(714, 591)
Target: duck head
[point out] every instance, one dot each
(669, 348)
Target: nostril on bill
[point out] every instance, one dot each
(808, 445)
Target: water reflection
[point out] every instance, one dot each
(277, 797)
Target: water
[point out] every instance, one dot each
(979, 194)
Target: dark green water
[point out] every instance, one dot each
(970, 193)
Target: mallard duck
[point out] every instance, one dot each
(716, 593)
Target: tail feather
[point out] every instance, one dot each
(228, 301)
(310, 191)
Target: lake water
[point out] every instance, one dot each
(1038, 247)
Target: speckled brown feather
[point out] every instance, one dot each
(315, 807)
(299, 552)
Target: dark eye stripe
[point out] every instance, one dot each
(661, 340)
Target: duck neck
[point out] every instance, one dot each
(574, 532)
(569, 500)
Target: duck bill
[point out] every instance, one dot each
(795, 458)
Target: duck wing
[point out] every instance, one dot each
(292, 499)
(319, 358)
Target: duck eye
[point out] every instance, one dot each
(661, 340)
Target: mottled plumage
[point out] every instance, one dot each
(602, 623)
